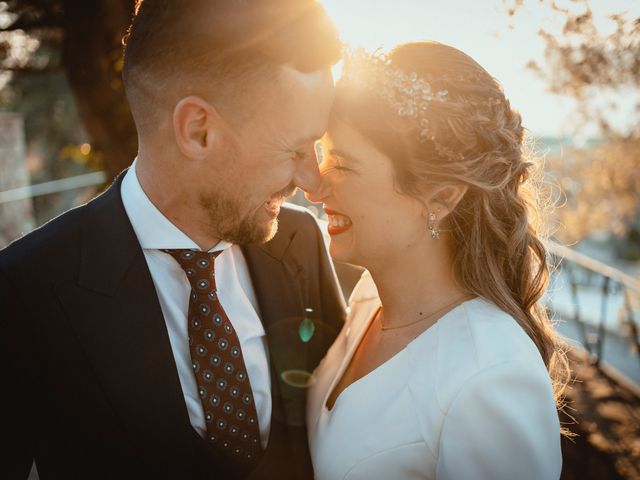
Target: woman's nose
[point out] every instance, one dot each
(320, 192)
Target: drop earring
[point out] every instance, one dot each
(432, 225)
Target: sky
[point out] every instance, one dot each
(480, 28)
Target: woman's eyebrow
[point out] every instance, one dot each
(344, 155)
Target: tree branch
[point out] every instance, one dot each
(32, 70)
(43, 22)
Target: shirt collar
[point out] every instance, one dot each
(153, 229)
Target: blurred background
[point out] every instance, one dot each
(572, 68)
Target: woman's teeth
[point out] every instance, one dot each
(339, 221)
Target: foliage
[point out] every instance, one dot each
(589, 64)
(50, 41)
(601, 185)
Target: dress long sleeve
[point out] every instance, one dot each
(502, 425)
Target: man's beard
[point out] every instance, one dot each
(227, 221)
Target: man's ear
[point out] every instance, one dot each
(196, 126)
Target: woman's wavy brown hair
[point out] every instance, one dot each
(496, 229)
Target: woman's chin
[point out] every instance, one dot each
(339, 253)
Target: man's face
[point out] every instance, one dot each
(267, 157)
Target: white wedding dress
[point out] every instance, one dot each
(468, 399)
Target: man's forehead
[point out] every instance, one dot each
(318, 79)
(299, 113)
(302, 136)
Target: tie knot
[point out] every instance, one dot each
(199, 267)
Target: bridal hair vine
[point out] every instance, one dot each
(407, 93)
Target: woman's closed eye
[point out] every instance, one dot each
(333, 168)
(333, 164)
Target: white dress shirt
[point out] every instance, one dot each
(469, 398)
(235, 292)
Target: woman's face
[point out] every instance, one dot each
(369, 221)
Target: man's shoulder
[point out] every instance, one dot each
(51, 242)
(43, 242)
(297, 228)
(294, 218)
(296, 212)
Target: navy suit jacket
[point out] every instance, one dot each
(91, 388)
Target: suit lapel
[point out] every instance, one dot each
(115, 312)
(276, 277)
(280, 283)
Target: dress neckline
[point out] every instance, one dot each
(352, 349)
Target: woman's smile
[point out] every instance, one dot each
(338, 222)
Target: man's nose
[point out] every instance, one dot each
(307, 176)
(320, 192)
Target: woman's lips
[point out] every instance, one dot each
(338, 222)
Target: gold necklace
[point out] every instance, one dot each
(450, 306)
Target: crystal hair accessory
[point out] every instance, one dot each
(407, 93)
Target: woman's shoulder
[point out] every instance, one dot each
(491, 335)
(471, 339)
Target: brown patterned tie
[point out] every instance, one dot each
(218, 365)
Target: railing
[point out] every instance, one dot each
(54, 186)
(575, 303)
(598, 304)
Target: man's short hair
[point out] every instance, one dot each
(220, 47)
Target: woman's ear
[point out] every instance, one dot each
(445, 199)
(196, 126)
